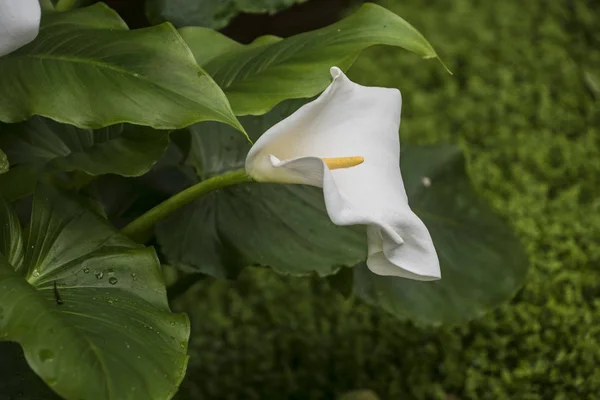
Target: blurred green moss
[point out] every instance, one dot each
(523, 105)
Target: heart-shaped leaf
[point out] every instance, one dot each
(287, 228)
(87, 305)
(87, 69)
(259, 76)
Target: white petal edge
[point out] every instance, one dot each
(346, 120)
(19, 23)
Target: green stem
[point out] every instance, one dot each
(140, 230)
(65, 5)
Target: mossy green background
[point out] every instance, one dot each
(524, 103)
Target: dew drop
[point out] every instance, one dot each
(86, 270)
(46, 355)
(99, 275)
(36, 273)
(134, 277)
(113, 280)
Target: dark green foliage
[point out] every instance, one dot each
(210, 13)
(523, 104)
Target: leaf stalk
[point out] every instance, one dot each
(141, 229)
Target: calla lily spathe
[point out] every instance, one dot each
(19, 23)
(346, 141)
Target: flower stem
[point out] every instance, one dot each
(140, 230)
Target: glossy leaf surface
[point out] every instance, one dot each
(259, 76)
(87, 69)
(87, 305)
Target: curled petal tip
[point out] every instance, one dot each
(335, 72)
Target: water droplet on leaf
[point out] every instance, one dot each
(99, 275)
(113, 280)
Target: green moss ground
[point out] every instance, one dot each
(525, 105)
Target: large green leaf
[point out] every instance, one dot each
(287, 228)
(126, 150)
(209, 13)
(87, 69)
(483, 263)
(87, 305)
(257, 77)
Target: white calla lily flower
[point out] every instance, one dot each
(19, 23)
(346, 141)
